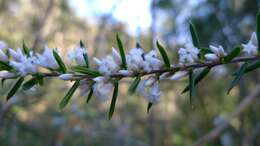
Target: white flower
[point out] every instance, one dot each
(3, 56)
(66, 77)
(2, 45)
(154, 93)
(110, 64)
(189, 54)
(151, 92)
(151, 61)
(150, 81)
(46, 59)
(211, 57)
(219, 51)
(78, 55)
(7, 75)
(135, 59)
(84, 86)
(251, 47)
(102, 88)
(124, 72)
(22, 63)
(178, 75)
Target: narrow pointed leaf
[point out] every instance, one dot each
(249, 68)
(258, 30)
(85, 55)
(121, 51)
(61, 64)
(113, 101)
(194, 35)
(164, 55)
(85, 70)
(234, 53)
(237, 78)
(81, 44)
(134, 85)
(191, 86)
(149, 106)
(5, 66)
(15, 88)
(26, 49)
(90, 95)
(69, 94)
(138, 45)
(30, 83)
(198, 78)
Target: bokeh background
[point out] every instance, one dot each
(34, 119)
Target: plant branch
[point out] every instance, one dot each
(242, 107)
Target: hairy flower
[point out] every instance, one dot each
(251, 47)
(78, 55)
(103, 88)
(189, 54)
(46, 59)
(151, 92)
(135, 59)
(151, 61)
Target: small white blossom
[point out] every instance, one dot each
(7, 75)
(2, 45)
(219, 51)
(22, 63)
(189, 54)
(46, 59)
(151, 92)
(135, 59)
(66, 77)
(150, 81)
(151, 61)
(78, 55)
(84, 86)
(178, 75)
(102, 88)
(124, 72)
(251, 47)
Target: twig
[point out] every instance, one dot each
(244, 104)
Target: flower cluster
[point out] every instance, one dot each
(110, 69)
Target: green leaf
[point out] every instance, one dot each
(134, 85)
(198, 78)
(258, 30)
(237, 78)
(113, 101)
(194, 36)
(58, 59)
(191, 86)
(26, 50)
(15, 88)
(121, 51)
(81, 44)
(234, 53)
(249, 68)
(69, 94)
(149, 106)
(85, 70)
(164, 55)
(90, 94)
(138, 45)
(30, 83)
(5, 66)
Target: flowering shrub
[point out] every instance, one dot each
(146, 68)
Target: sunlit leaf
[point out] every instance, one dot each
(15, 88)
(69, 94)
(61, 64)
(163, 54)
(121, 51)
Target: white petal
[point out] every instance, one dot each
(66, 76)
(116, 56)
(178, 75)
(7, 74)
(211, 57)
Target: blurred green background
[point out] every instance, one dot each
(34, 119)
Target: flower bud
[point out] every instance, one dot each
(7, 75)
(211, 57)
(66, 77)
(178, 75)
